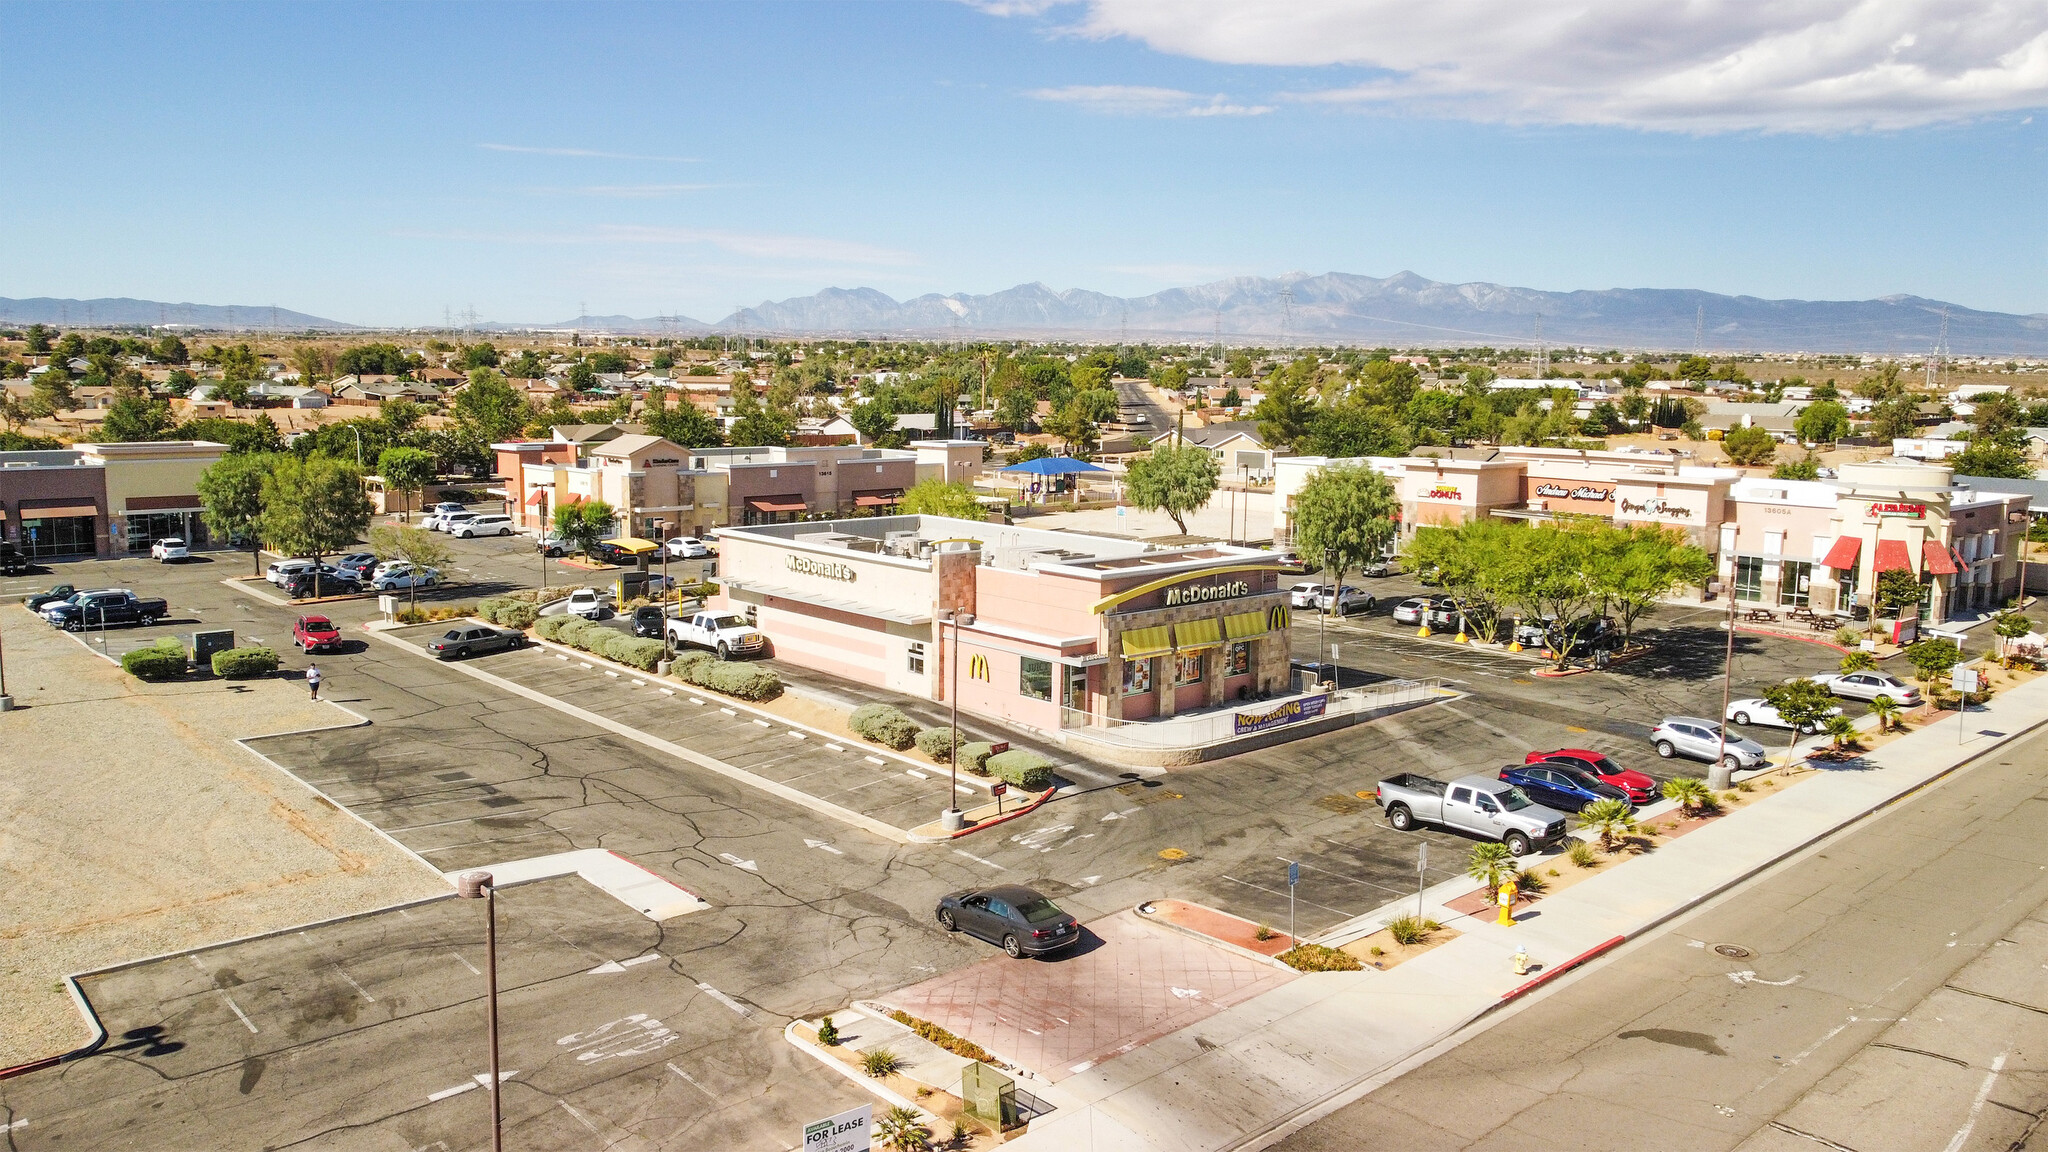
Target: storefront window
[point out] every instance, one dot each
(1237, 659)
(1187, 668)
(1749, 578)
(58, 536)
(1034, 678)
(916, 656)
(1845, 590)
(1137, 677)
(1794, 583)
(146, 528)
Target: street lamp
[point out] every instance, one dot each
(951, 819)
(1721, 777)
(472, 886)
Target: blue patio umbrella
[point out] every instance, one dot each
(1053, 466)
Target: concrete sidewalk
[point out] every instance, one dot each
(1260, 1068)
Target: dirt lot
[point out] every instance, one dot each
(132, 824)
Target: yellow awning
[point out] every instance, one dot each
(1245, 625)
(1139, 643)
(634, 545)
(1196, 635)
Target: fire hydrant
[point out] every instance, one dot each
(1521, 961)
(1507, 903)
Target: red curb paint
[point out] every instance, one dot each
(32, 1066)
(1006, 817)
(1795, 636)
(1565, 967)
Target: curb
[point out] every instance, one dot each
(1005, 818)
(1794, 637)
(867, 1082)
(1227, 946)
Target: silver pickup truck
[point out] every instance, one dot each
(1482, 805)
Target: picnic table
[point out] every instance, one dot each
(1760, 614)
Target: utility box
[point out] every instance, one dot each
(988, 1095)
(205, 644)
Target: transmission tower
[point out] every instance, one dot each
(1939, 354)
(1699, 331)
(1542, 364)
(1123, 330)
(447, 318)
(1286, 312)
(469, 320)
(1219, 342)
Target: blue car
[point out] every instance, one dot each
(1559, 786)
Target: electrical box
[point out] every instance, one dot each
(205, 644)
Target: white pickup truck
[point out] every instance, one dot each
(726, 633)
(1482, 805)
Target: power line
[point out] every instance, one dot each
(1939, 354)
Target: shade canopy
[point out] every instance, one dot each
(1053, 466)
(1939, 559)
(1892, 554)
(1843, 552)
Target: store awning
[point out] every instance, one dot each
(1196, 635)
(1138, 643)
(877, 500)
(1940, 560)
(571, 498)
(1245, 625)
(56, 510)
(777, 504)
(539, 494)
(1892, 554)
(1842, 556)
(634, 545)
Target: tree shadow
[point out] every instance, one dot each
(1684, 652)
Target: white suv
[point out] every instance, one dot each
(482, 526)
(1702, 740)
(168, 549)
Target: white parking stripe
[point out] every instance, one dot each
(237, 1010)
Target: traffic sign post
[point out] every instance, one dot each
(1421, 876)
(996, 790)
(1964, 681)
(1293, 878)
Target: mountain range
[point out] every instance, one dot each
(1336, 307)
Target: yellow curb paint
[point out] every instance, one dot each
(1172, 854)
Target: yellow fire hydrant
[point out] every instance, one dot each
(1507, 903)
(1521, 961)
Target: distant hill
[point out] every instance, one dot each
(678, 325)
(121, 312)
(1408, 309)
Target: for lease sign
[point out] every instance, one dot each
(847, 1132)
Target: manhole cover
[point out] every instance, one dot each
(1734, 951)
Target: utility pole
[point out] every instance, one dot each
(1940, 353)
(1720, 777)
(1699, 331)
(1542, 364)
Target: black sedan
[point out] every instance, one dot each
(475, 640)
(1022, 921)
(300, 586)
(649, 620)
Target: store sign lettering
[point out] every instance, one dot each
(1207, 592)
(1655, 506)
(1306, 708)
(1442, 492)
(1582, 492)
(828, 569)
(1915, 511)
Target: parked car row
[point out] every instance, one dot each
(97, 608)
(350, 574)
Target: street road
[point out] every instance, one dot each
(1883, 992)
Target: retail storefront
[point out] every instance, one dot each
(1056, 629)
(104, 500)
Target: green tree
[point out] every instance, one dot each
(1894, 419)
(1239, 363)
(1492, 865)
(609, 363)
(684, 425)
(1987, 457)
(1637, 566)
(415, 546)
(876, 424)
(1285, 414)
(1807, 469)
(1015, 408)
(313, 507)
(1353, 427)
(1896, 588)
(1344, 518)
(1175, 479)
(663, 361)
(169, 350)
(311, 361)
(373, 360)
(1883, 386)
(135, 418)
(1076, 431)
(756, 425)
(243, 437)
(239, 363)
(581, 377)
(1822, 422)
(935, 497)
(1750, 446)
(231, 501)
(483, 355)
(1801, 704)
(902, 1130)
(1933, 657)
(39, 337)
(581, 526)
(51, 393)
(2010, 626)
(491, 406)
(407, 470)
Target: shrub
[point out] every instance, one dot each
(550, 627)
(509, 611)
(883, 724)
(1582, 854)
(944, 1039)
(936, 743)
(684, 666)
(1529, 883)
(744, 681)
(1317, 958)
(1407, 930)
(1847, 636)
(241, 663)
(974, 756)
(163, 660)
(412, 616)
(1490, 864)
(1262, 933)
(880, 1062)
(1857, 661)
(1691, 794)
(1022, 767)
(828, 1032)
(1610, 820)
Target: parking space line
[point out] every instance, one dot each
(237, 1010)
(458, 1090)
(473, 970)
(979, 860)
(875, 760)
(916, 773)
(722, 998)
(728, 711)
(470, 820)
(1271, 892)
(835, 748)
(480, 843)
(352, 983)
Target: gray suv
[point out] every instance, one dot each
(1699, 739)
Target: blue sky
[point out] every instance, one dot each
(378, 164)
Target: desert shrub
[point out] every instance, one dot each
(1317, 958)
(944, 1039)
(638, 652)
(936, 743)
(239, 663)
(1407, 930)
(1529, 883)
(1582, 854)
(879, 1062)
(1026, 769)
(1263, 932)
(974, 756)
(509, 611)
(412, 616)
(684, 666)
(577, 632)
(162, 660)
(883, 724)
(744, 681)
(828, 1032)
(1847, 636)
(550, 627)
(451, 612)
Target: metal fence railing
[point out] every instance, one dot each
(1210, 727)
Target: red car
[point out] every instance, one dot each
(316, 634)
(1638, 786)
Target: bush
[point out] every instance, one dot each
(684, 667)
(879, 1062)
(1408, 930)
(974, 756)
(1026, 769)
(1317, 958)
(1691, 795)
(743, 681)
(936, 743)
(637, 652)
(163, 660)
(1582, 854)
(241, 663)
(1847, 637)
(550, 627)
(944, 1039)
(509, 611)
(828, 1032)
(883, 724)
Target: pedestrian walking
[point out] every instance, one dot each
(313, 679)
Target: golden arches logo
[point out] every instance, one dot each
(977, 667)
(1280, 618)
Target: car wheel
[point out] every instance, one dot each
(75, 626)
(1400, 818)
(947, 922)
(1665, 749)
(148, 620)
(462, 653)
(1742, 718)
(1731, 763)
(724, 652)
(504, 531)
(1011, 946)
(1517, 844)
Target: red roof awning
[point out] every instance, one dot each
(1892, 554)
(1842, 556)
(875, 501)
(571, 498)
(776, 504)
(539, 494)
(1940, 560)
(1962, 565)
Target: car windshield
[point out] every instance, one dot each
(317, 624)
(728, 621)
(1039, 911)
(1513, 799)
(1607, 766)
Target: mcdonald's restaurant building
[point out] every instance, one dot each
(1053, 629)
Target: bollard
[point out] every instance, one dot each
(1462, 638)
(1422, 633)
(1507, 904)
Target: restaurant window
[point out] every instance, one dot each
(1237, 659)
(1137, 677)
(1187, 668)
(1795, 582)
(917, 656)
(1749, 577)
(1034, 678)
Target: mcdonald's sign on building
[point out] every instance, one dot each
(977, 667)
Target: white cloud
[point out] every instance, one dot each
(586, 153)
(1134, 100)
(1698, 66)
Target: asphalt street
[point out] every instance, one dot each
(1882, 992)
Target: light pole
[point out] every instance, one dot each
(1720, 777)
(359, 444)
(951, 819)
(472, 886)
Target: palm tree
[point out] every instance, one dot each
(1886, 710)
(1691, 794)
(1840, 729)
(1858, 661)
(1610, 820)
(903, 1129)
(1490, 865)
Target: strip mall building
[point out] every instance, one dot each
(1776, 543)
(1067, 630)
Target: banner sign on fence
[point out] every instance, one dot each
(1304, 708)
